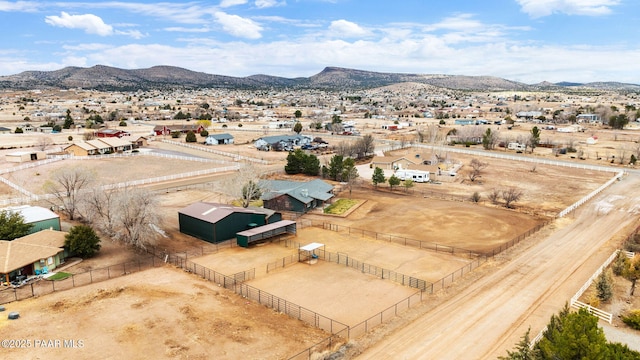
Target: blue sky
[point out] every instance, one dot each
(523, 40)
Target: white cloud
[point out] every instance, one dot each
(540, 8)
(90, 23)
(239, 26)
(347, 29)
(261, 4)
(19, 6)
(229, 3)
(187, 30)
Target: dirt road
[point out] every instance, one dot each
(490, 315)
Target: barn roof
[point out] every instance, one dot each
(32, 214)
(305, 192)
(214, 212)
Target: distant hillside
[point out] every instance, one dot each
(101, 77)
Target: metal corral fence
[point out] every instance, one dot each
(420, 244)
(344, 259)
(385, 315)
(449, 279)
(591, 195)
(318, 348)
(43, 286)
(516, 240)
(293, 310)
(282, 263)
(217, 152)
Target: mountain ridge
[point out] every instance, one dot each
(102, 77)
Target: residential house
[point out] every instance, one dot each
(105, 133)
(34, 254)
(219, 139)
(282, 142)
(98, 147)
(301, 197)
(185, 128)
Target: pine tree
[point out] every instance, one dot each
(604, 286)
(378, 176)
(523, 350)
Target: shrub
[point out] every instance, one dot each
(204, 133)
(176, 134)
(475, 197)
(632, 319)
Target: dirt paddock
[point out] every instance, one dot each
(161, 313)
(336, 291)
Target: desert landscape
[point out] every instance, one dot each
(479, 259)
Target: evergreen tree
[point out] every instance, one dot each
(295, 162)
(394, 181)
(297, 127)
(12, 225)
(604, 286)
(336, 167)
(522, 351)
(191, 137)
(378, 176)
(311, 165)
(82, 241)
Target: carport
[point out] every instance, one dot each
(244, 238)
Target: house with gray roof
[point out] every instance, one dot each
(282, 142)
(296, 196)
(219, 139)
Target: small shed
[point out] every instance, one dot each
(24, 156)
(259, 233)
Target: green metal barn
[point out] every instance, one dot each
(215, 223)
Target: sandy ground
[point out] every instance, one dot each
(462, 225)
(162, 313)
(543, 273)
(337, 292)
(492, 313)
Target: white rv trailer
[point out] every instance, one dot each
(415, 175)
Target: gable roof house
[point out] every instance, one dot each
(184, 128)
(98, 147)
(282, 142)
(218, 139)
(296, 196)
(104, 133)
(34, 254)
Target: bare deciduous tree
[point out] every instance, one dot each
(245, 185)
(66, 184)
(476, 169)
(510, 196)
(368, 144)
(494, 196)
(137, 217)
(44, 142)
(101, 210)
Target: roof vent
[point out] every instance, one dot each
(304, 192)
